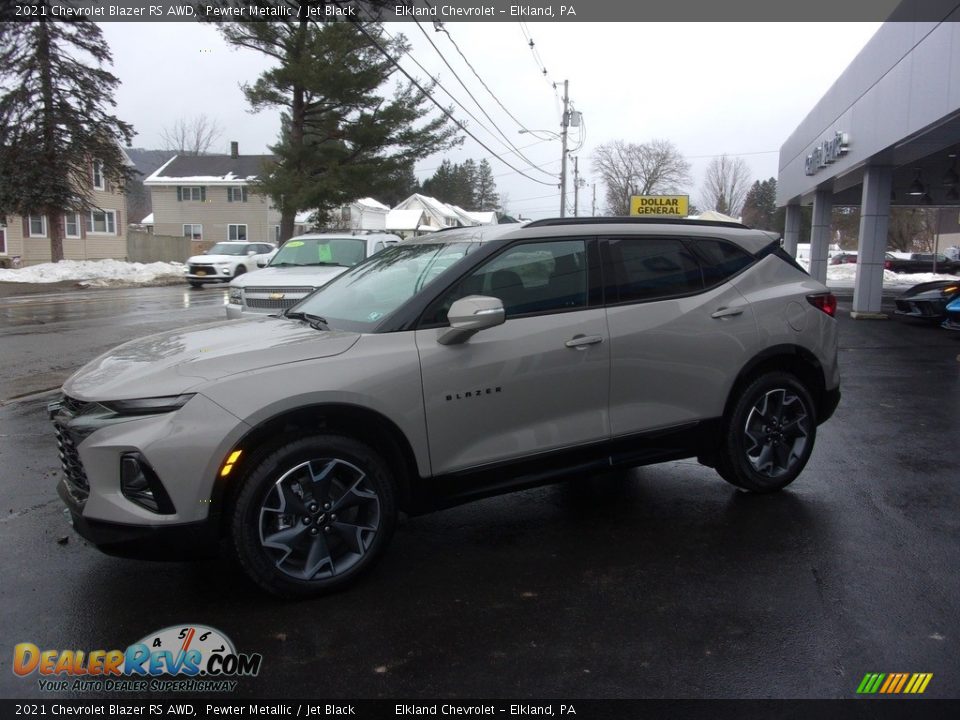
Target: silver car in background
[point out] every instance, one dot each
(303, 264)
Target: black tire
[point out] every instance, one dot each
(313, 551)
(241, 269)
(765, 447)
(196, 285)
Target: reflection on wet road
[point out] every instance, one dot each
(45, 337)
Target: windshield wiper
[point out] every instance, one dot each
(314, 321)
(324, 264)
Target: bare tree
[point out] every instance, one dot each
(725, 185)
(626, 169)
(191, 136)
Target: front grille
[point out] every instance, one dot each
(207, 269)
(73, 406)
(73, 471)
(259, 298)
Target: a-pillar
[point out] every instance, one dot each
(791, 230)
(872, 245)
(820, 234)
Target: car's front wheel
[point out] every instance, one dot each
(313, 514)
(769, 434)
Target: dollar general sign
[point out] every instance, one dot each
(670, 205)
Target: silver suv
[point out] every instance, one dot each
(445, 369)
(303, 264)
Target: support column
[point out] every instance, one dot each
(872, 244)
(820, 234)
(791, 229)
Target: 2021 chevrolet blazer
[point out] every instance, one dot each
(447, 368)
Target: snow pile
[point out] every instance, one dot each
(846, 274)
(98, 273)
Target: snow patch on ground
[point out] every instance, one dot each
(846, 275)
(98, 273)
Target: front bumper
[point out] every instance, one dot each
(921, 309)
(952, 322)
(184, 541)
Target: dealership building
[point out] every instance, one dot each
(886, 134)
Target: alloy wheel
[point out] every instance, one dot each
(777, 432)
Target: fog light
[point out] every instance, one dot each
(140, 485)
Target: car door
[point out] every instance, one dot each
(536, 383)
(679, 332)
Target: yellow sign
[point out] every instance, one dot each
(668, 205)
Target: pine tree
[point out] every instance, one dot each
(341, 138)
(760, 205)
(486, 197)
(54, 120)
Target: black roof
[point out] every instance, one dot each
(634, 220)
(147, 161)
(241, 167)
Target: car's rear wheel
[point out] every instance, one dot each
(313, 515)
(769, 434)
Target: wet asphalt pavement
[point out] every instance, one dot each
(663, 582)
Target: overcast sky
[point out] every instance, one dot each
(735, 88)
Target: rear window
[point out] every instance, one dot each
(720, 259)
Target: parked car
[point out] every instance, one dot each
(843, 258)
(928, 301)
(225, 261)
(952, 321)
(303, 264)
(921, 263)
(447, 368)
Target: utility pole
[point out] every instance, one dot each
(564, 122)
(576, 186)
(593, 207)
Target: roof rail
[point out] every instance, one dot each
(632, 220)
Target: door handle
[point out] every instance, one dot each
(581, 342)
(727, 312)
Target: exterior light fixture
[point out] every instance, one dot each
(916, 187)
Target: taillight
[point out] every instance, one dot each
(887, 265)
(825, 302)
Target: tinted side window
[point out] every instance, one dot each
(720, 259)
(649, 268)
(531, 278)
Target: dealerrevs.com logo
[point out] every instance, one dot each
(197, 657)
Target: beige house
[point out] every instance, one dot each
(94, 235)
(208, 198)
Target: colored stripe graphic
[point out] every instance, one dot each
(894, 683)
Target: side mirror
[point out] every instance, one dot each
(469, 316)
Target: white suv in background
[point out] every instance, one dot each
(303, 264)
(225, 261)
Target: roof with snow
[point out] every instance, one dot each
(148, 220)
(371, 203)
(210, 170)
(476, 217)
(404, 219)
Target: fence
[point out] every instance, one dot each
(146, 247)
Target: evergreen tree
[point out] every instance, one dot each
(760, 205)
(341, 138)
(486, 189)
(54, 120)
(399, 186)
(440, 185)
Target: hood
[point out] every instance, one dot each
(172, 362)
(931, 289)
(294, 276)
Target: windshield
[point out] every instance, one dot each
(360, 298)
(320, 251)
(227, 249)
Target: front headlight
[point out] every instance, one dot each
(236, 295)
(148, 406)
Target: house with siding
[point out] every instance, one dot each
(209, 198)
(97, 234)
(419, 214)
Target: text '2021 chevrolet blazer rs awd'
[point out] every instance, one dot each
(443, 369)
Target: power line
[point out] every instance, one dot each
(446, 62)
(359, 25)
(509, 152)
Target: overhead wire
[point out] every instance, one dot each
(506, 139)
(413, 81)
